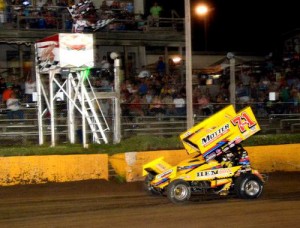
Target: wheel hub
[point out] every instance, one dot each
(252, 188)
(180, 192)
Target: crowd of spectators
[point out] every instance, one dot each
(274, 90)
(58, 14)
(16, 95)
(158, 93)
(44, 14)
(47, 14)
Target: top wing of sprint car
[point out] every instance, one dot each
(220, 132)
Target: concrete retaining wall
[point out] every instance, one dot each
(53, 168)
(64, 168)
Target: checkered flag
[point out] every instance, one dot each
(80, 8)
(102, 23)
(46, 65)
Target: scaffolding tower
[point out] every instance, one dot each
(81, 100)
(74, 88)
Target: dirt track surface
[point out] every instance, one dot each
(111, 204)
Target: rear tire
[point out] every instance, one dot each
(248, 186)
(179, 192)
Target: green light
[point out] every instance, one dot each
(86, 73)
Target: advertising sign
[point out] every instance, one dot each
(65, 50)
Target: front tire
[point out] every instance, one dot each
(248, 186)
(179, 192)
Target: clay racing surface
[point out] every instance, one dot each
(111, 204)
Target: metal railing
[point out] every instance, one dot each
(26, 131)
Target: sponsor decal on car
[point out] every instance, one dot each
(215, 135)
(210, 156)
(162, 175)
(215, 173)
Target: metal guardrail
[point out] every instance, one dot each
(13, 133)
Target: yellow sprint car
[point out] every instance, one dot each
(219, 164)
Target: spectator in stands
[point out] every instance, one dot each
(156, 106)
(91, 14)
(130, 7)
(17, 88)
(204, 105)
(173, 88)
(220, 102)
(254, 91)
(295, 95)
(14, 108)
(149, 97)
(97, 85)
(172, 66)
(80, 24)
(196, 93)
(261, 110)
(104, 7)
(160, 66)
(264, 83)
(146, 101)
(30, 88)
(157, 86)
(284, 97)
(242, 93)
(155, 12)
(142, 87)
(40, 4)
(49, 3)
(7, 92)
(104, 64)
(124, 100)
(168, 104)
(123, 89)
(2, 12)
(50, 20)
(106, 86)
(245, 79)
(135, 107)
(139, 18)
(166, 90)
(105, 106)
(115, 5)
(62, 3)
(2, 87)
(179, 105)
(144, 73)
(128, 85)
(135, 88)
